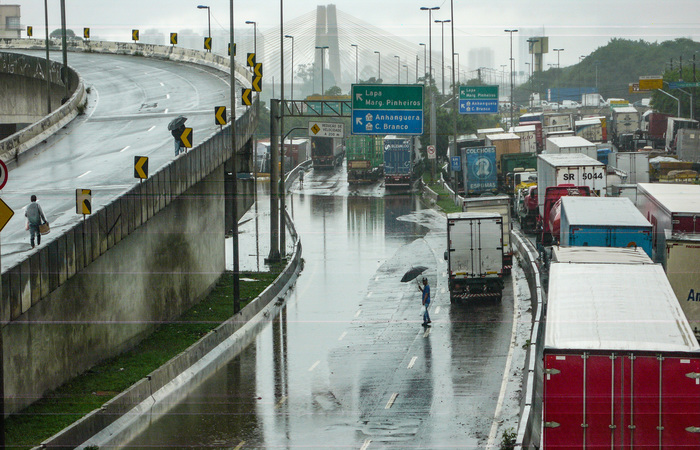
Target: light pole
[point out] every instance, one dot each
(208, 19)
(433, 120)
(430, 34)
(425, 61)
(398, 69)
(558, 50)
(503, 74)
(511, 74)
(529, 76)
(323, 66)
(255, 36)
(457, 55)
(48, 62)
(406, 66)
(416, 69)
(442, 23)
(379, 65)
(291, 95)
(357, 80)
(234, 170)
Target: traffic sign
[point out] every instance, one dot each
(173, 38)
(186, 137)
(141, 167)
(4, 173)
(478, 99)
(220, 115)
(478, 106)
(30, 31)
(134, 35)
(246, 97)
(257, 86)
(327, 129)
(258, 69)
(250, 60)
(207, 43)
(6, 214)
(229, 49)
(456, 163)
(650, 82)
(683, 84)
(431, 151)
(387, 109)
(86, 33)
(83, 201)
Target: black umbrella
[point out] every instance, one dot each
(412, 273)
(177, 123)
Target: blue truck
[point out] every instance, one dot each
(479, 170)
(398, 161)
(603, 222)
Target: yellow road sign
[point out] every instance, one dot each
(246, 97)
(83, 201)
(141, 167)
(173, 38)
(86, 33)
(220, 115)
(257, 84)
(229, 49)
(6, 214)
(250, 61)
(258, 69)
(651, 82)
(315, 128)
(30, 31)
(186, 137)
(134, 35)
(207, 43)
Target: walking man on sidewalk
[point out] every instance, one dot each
(425, 289)
(35, 217)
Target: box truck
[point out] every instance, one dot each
(600, 255)
(621, 364)
(481, 133)
(474, 255)
(571, 144)
(625, 120)
(688, 145)
(326, 152)
(634, 164)
(479, 170)
(674, 207)
(539, 137)
(505, 143)
(528, 137)
(603, 222)
(398, 161)
(365, 155)
(682, 262)
(591, 129)
(673, 124)
(499, 204)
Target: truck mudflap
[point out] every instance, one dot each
(507, 263)
(465, 296)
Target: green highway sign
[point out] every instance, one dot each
(683, 84)
(478, 92)
(387, 96)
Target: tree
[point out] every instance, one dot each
(57, 33)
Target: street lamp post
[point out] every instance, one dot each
(425, 61)
(406, 66)
(511, 74)
(234, 169)
(208, 19)
(416, 69)
(379, 65)
(291, 94)
(356, 63)
(558, 50)
(255, 36)
(430, 34)
(442, 23)
(48, 61)
(398, 69)
(323, 66)
(457, 55)
(433, 120)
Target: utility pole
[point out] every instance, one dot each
(511, 74)
(442, 23)
(282, 189)
(234, 169)
(356, 63)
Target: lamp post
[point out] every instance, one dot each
(442, 23)
(511, 73)
(425, 61)
(208, 19)
(558, 50)
(433, 120)
(406, 66)
(357, 79)
(430, 34)
(457, 55)
(416, 69)
(379, 65)
(291, 94)
(255, 36)
(398, 69)
(529, 76)
(234, 169)
(48, 62)
(323, 66)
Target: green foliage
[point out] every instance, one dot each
(508, 439)
(57, 33)
(665, 104)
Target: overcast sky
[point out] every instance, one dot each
(578, 26)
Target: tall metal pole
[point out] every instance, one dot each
(356, 63)
(425, 62)
(398, 69)
(511, 74)
(234, 190)
(433, 121)
(442, 23)
(283, 188)
(454, 85)
(323, 66)
(416, 69)
(64, 71)
(291, 94)
(379, 65)
(48, 63)
(275, 134)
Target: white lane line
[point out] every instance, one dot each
(162, 84)
(506, 372)
(443, 290)
(81, 176)
(437, 310)
(281, 402)
(345, 333)
(369, 294)
(365, 446)
(151, 129)
(314, 366)
(239, 446)
(357, 314)
(413, 361)
(166, 111)
(167, 96)
(125, 148)
(427, 332)
(391, 401)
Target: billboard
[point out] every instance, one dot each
(480, 170)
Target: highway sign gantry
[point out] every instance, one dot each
(83, 201)
(141, 167)
(186, 137)
(478, 99)
(387, 109)
(246, 97)
(6, 214)
(220, 115)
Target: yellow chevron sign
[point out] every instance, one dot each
(86, 33)
(186, 137)
(250, 61)
(258, 69)
(229, 49)
(30, 31)
(83, 201)
(134, 35)
(220, 115)
(207, 43)
(141, 167)
(246, 97)
(6, 214)
(173, 38)
(257, 83)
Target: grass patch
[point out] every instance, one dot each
(444, 201)
(92, 389)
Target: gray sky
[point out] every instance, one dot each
(578, 26)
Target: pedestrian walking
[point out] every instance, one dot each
(301, 177)
(35, 218)
(179, 145)
(425, 289)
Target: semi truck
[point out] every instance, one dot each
(365, 155)
(528, 137)
(539, 136)
(591, 129)
(499, 204)
(474, 255)
(504, 143)
(625, 121)
(673, 124)
(571, 144)
(620, 360)
(479, 170)
(326, 152)
(654, 126)
(398, 159)
(634, 164)
(682, 263)
(603, 222)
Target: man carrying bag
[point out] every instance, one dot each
(35, 219)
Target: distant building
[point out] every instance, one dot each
(153, 36)
(481, 57)
(10, 26)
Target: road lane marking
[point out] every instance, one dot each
(413, 361)
(239, 446)
(128, 146)
(166, 111)
(281, 402)
(167, 96)
(357, 314)
(81, 176)
(345, 333)
(366, 444)
(391, 401)
(427, 332)
(314, 366)
(369, 294)
(162, 84)
(151, 129)
(437, 310)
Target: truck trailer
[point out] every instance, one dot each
(499, 204)
(673, 124)
(474, 255)
(571, 144)
(365, 155)
(528, 137)
(504, 143)
(326, 152)
(634, 164)
(621, 364)
(398, 161)
(591, 129)
(682, 263)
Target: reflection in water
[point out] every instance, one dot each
(395, 206)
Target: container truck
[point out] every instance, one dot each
(539, 137)
(592, 100)
(673, 207)
(654, 126)
(621, 364)
(571, 144)
(682, 263)
(326, 152)
(560, 121)
(625, 119)
(528, 137)
(512, 162)
(591, 130)
(688, 145)
(398, 159)
(673, 124)
(474, 255)
(531, 117)
(634, 164)
(600, 255)
(365, 155)
(551, 220)
(483, 132)
(603, 222)
(505, 143)
(463, 142)
(499, 204)
(479, 170)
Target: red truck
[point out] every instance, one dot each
(622, 370)
(552, 210)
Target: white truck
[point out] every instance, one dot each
(634, 164)
(574, 169)
(590, 129)
(682, 263)
(674, 124)
(592, 100)
(528, 137)
(499, 204)
(571, 144)
(474, 255)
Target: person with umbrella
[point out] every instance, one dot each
(177, 127)
(425, 289)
